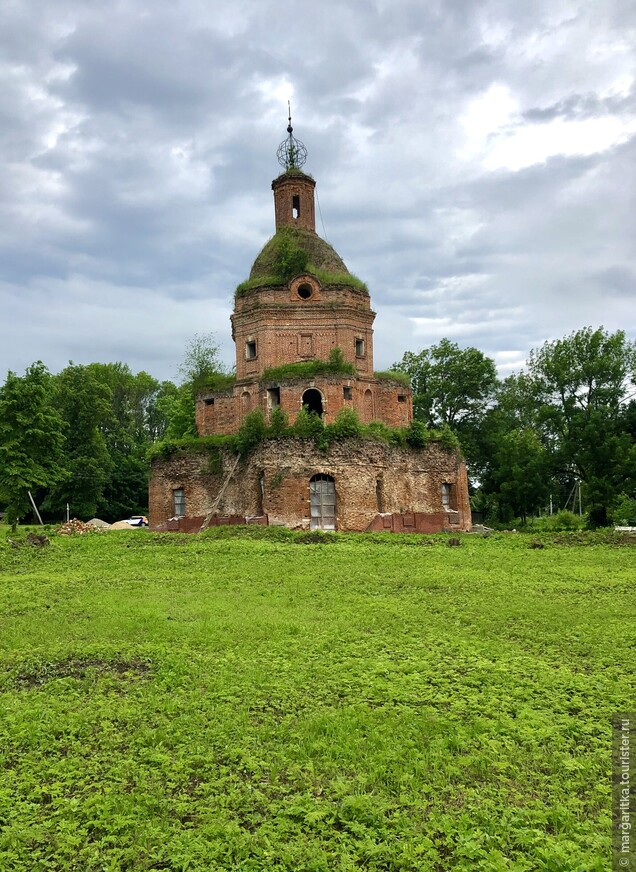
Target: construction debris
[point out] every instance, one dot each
(75, 526)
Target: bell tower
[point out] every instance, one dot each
(293, 190)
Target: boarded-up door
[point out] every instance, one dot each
(322, 501)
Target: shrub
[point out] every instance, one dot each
(278, 422)
(624, 513)
(308, 425)
(417, 434)
(346, 426)
(562, 521)
(252, 432)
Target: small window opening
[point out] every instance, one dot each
(347, 392)
(296, 207)
(178, 502)
(304, 292)
(401, 398)
(209, 401)
(359, 347)
(273, 397)
(446, 497)
(250, 349)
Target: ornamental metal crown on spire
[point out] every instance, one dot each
(291, 153)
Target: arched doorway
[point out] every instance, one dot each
(312, 400)
(322, 501)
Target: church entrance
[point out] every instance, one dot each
(322, 501)
(312, 400)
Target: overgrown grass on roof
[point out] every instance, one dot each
(392, 375)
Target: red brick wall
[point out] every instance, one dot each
(288, 331)
(285, 189)
(371, 399)
(406, 480)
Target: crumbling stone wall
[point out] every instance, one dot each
(370, 478)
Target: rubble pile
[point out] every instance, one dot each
(74, 526)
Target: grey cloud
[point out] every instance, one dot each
(139, 144)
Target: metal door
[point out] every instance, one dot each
(322, 501)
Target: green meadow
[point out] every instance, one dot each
(260, 700)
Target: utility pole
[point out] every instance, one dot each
(35, 508)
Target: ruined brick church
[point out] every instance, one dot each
(303, 329)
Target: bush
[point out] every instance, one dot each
(251, 433)
(624, 512)
(278, 422)
(417, 434)
(346, 426)
(308, 425)
(562, 521)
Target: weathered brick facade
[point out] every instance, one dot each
(371, 479)
(356, 484)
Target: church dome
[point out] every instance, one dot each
(293, 251)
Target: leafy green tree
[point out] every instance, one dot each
(135, 423)
(583, 383)
(450, 385)
(520, 474)
(85, 405)
(31, 439)
(201, 368)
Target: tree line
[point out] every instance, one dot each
(565, 424)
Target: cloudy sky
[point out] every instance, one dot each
(475, 163)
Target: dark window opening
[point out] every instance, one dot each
(178, 502)
(295, 206)
(273, 397)
(359, 347)
(209, 401)
(401, 398)
(312, 401)
(322, 502)
(379, 495)
(347, 392)
(304, 292)
(250, 349)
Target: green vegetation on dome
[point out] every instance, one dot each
(293, 251)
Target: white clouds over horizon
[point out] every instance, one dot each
(475, 165)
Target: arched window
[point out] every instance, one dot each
(368, 406)
(312, 400)
(246, 403)
(322, 501)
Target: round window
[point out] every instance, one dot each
(304, 291)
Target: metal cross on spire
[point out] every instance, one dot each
(291, 153)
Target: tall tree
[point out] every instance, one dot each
(452, 386)
(85, 404)
(584, 381)
(128, 432)
(31, 439)
(201, 368)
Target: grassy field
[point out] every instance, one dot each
(379, 702)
